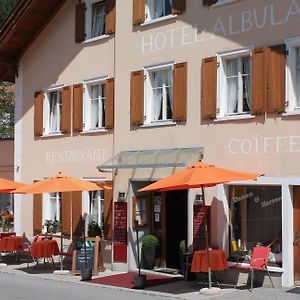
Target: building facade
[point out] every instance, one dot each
(124, 93)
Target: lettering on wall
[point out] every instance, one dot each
(225, 25)
(264, 145)
(75, 156)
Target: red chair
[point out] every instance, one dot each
(258, 262)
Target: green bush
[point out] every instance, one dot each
(150, 241)
(182, 246)
(94, 229)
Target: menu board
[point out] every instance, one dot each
(200, 213)
(87, 253)
(120, 231)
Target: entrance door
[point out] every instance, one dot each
(176, 226)
(297, 233)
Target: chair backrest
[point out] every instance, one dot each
(260, 257)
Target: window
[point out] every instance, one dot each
(234, 93)
(96, 206)
(94, 109)
(95, 19)
(159, 95)
(293, 75)
(53, 112)
(158, 8)
(256, 219)
(52, 207)
(140, 210)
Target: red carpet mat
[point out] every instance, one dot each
(126, 280)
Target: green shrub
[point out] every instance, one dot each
(150, 241)
(182, 246)
(94, 229)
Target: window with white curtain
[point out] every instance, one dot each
(234, 84)
(96, 206)
(159, 94)
(94, 106)
(95, 18)
(158, 8)
(54, 207)
(293, 75)
(53, 111)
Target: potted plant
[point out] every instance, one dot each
(149, 244)
(52, 226)
(182, 255)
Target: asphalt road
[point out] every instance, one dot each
(16, 287)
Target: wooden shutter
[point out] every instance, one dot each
(178, 6)
(209, 2)
(137, 98)
(276, 78)
(259, 81)
(66, 199)
(80, 22)
(77, 107)
(108, 202)
(209, 88)
(109, 104)
(37, 213)
(66, 110)
(180, 91)
(38, 113)
(110, 17)
(138, 11)
(77, 224)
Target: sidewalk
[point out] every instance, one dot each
(188, 290)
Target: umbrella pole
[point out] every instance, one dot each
(207, 244)
(61, 251)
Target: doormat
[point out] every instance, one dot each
(126, 280)
(295, 290)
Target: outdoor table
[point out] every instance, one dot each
(218, 261)
(44, 249)
(5, 234)
(11, 243)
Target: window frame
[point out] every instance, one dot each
(222, 100)
(47, 207)
(144, 211)
(88, 20)
(151, 10)
(46, 110)
(291, 97)
(149, 96)
(87, 84)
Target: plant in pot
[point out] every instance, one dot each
(149, 245)
(94, 229)
(182, 255)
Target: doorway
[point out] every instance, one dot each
(297, 234)
(176, 226)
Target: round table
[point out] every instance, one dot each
(218, 261)
(44, 249)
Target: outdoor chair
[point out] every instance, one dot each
(258, 262)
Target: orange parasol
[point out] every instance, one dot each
(7, 186)
(58, 183)
(199, 175)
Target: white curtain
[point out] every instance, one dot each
(54, 206)
(54, 112)
(98, 20)
(157, 95)
(94, 206)
(169, 94)
(297, 88)
(94, 94)
(246, 84)
(160, 8)
(232, 86)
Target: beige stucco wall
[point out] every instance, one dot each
(268, 143)
(7, 159)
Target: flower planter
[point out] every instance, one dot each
(140, 281)
(148, 257)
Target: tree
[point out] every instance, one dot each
(7, 103)
(6, 7)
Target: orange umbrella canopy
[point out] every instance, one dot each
(7, 186)
(198, 175)
(58, 183)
